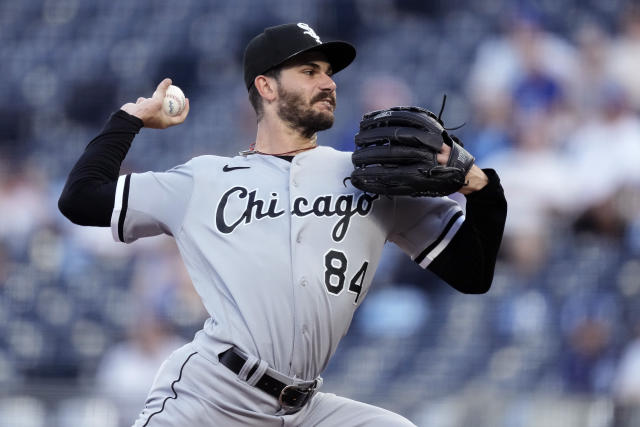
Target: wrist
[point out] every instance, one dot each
(475, 180)
(133, 111)
(134, 120)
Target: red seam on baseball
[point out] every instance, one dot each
(175, 98)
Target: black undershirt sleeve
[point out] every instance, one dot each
(89, 193)
(468, 262)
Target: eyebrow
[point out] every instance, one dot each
(316, 66)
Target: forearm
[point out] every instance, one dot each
(468, 261)
(89, 193)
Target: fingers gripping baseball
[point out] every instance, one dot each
(150, 110)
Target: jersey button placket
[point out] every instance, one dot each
(300, 282)
(294, 171)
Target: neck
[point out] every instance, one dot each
(275, 137)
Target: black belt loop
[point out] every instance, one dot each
(235, 362)
(290, 397)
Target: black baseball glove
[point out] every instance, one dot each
(396, 151)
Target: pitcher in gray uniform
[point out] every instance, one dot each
(280, 248)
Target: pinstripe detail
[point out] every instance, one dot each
(440, 238)
(123, 211)
(175, 394)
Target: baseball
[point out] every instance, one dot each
(174, 101)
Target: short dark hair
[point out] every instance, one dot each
(254, 96)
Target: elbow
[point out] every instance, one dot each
(67, 205)
(478, 289)
(84, 206)
(477, 285)
(483, 283)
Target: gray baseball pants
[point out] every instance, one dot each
(190, 390)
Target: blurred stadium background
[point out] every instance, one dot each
(550, 94)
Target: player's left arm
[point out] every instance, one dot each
(475, 179)
(468, 261)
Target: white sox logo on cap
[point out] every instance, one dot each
(277, 44)
(309, 31)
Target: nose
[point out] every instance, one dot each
(327, 83)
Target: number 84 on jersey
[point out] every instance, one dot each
(335, 278)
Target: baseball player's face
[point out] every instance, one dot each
(307, 94)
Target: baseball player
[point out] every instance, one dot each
(280, 247)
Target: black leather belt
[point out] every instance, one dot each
(290, 397)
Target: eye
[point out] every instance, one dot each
(308, 71)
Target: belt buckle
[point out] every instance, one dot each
(293, 397)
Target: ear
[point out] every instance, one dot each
(266, 87)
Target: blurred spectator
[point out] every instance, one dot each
(535, 89)
(588, 323)
(160, 278)
(22, 203)
(617, 163)
(537, 184)
(22, 411)
(589, 363)
(492, 129)
(626, 386)
(624, 59)
(586, 87)
(127, 369)
(502, 61)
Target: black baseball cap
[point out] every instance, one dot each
(277, 44)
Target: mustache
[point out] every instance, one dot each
(324, 97)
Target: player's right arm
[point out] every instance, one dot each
(91, 188)
(149, 110)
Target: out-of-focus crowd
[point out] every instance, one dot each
(550, 98)
(558, 118)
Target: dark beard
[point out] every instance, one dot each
(293, 110)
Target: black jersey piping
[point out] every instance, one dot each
(123, 210)
(440, 238)
(175, 393)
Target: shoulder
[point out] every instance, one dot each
(208, 160)
(326, 159)
(331, 153)
(193, 168)
(209, 163)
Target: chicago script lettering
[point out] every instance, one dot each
(249, 211)
(342, 206)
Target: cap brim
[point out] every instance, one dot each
(339, 54)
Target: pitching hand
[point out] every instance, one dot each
(149, 110)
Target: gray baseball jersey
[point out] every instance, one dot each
(281, 253)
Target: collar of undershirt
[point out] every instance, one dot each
(287, 158)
